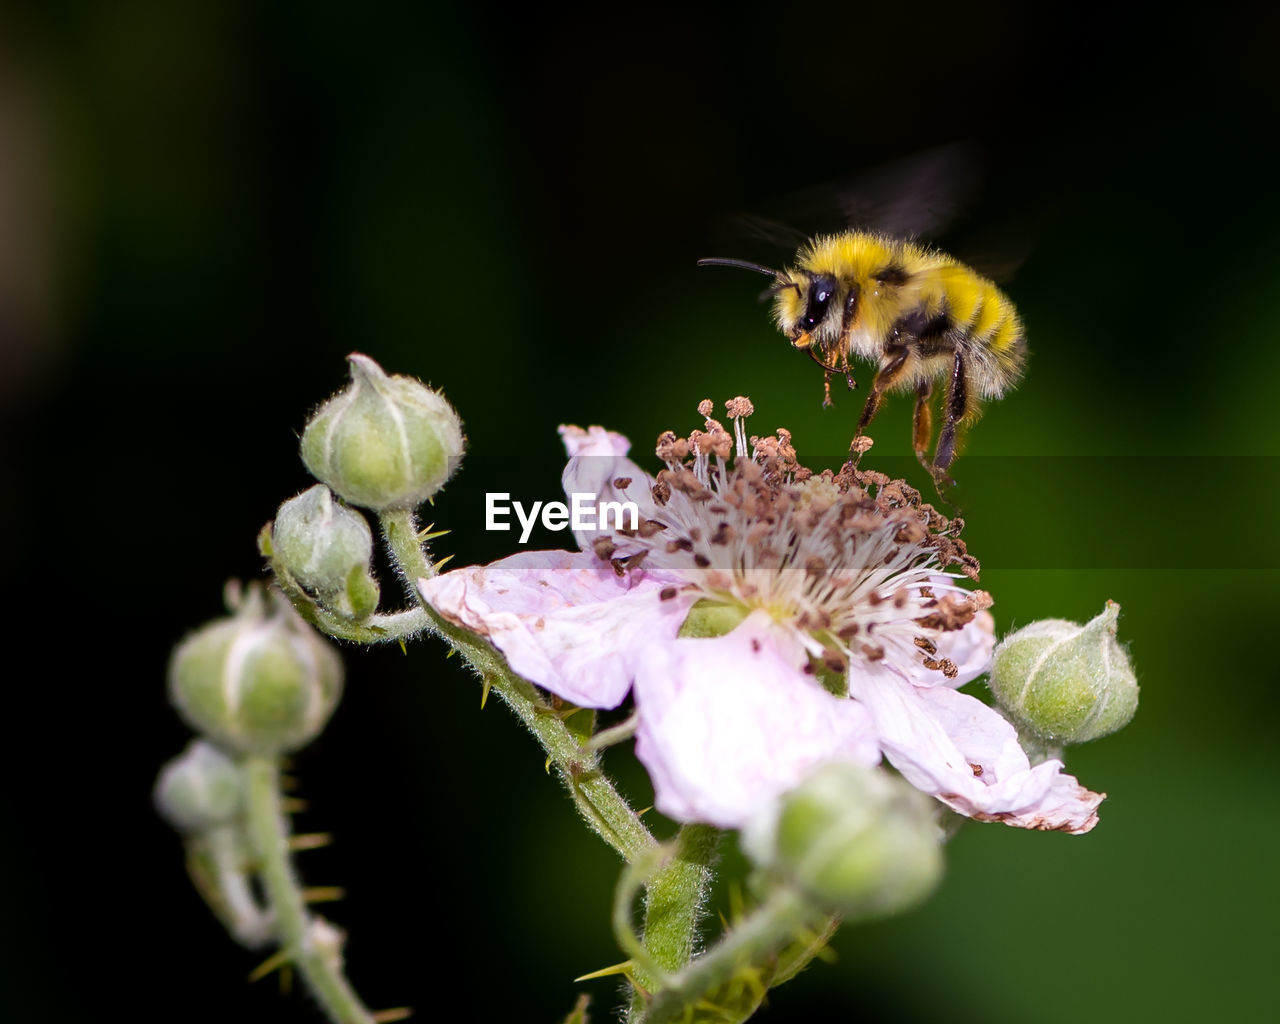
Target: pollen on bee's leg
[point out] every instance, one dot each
(803, 341)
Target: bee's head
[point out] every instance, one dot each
(808, 307)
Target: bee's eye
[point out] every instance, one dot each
(820, 294)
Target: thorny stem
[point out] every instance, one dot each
(754, 941)
(674, 892)
(675, 897)
(599, 803)
(320, 967)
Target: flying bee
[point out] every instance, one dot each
(923, 318)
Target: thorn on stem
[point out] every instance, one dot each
(273, 963)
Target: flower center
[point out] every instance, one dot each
(853, 562)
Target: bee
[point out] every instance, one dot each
(924, 319)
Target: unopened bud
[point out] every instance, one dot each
(260, 682)
(855, 839)
(1066, 682)
(200, 789)
(384, 442)
(327, 548)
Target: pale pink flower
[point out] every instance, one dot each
(846, 638)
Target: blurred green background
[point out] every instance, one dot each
(204, 207)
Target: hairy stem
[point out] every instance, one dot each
(675, 896)
(302, 937)
(746, 955)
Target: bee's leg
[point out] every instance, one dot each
(885, 378)
(922, 423)
(844, 368)
(956, 403)
(828, 369)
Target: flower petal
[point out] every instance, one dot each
(968, 648)
(598, 466)
(563, 620)
(592, 441)
(729, 723)
(953, 746)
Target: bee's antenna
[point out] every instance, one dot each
(783, 280)
(716, 261)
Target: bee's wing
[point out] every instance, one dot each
(917, 196)
(920, 196)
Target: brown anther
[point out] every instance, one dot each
(976, 769)
(834, 660)
(911, 533)
(661, 492)
(724, 534)
(648, 527)
(815, 566)
(926, 592)
(667, 594)
(873, 652)
(926, 645)
(622, 482)
(755, 645)
(739, 407)
(949, 668)
(701, 560)
(603, 548)
(847, 631)
(900, 599)
(679, 544)
(671, 448)
(706, 407)
(949, 613)
(931, 664)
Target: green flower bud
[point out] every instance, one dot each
(327, 548)
(260, 682)
(200, 789)
(384, 442)
(857, 840)
(1066, 682)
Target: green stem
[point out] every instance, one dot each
(675, 897)
(377, 629)
(739, 956)
(301, 936)
(600, 804)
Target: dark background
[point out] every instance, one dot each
(204, 207)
